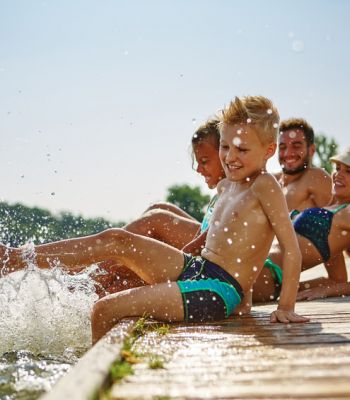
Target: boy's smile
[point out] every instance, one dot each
(241, 152)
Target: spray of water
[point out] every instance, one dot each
(45, 311)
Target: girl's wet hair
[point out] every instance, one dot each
(208, 131)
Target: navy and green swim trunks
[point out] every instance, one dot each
(276, 273)
(208, 292)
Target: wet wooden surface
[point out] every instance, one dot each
(249, 358)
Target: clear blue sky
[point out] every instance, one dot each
(99, 99)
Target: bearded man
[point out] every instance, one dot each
(304, 186)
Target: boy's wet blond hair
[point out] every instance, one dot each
(257, 111)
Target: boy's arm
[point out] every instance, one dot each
(196, 245)
(274, 205)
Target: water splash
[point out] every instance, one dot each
(45, 311)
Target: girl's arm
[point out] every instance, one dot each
(196, 245)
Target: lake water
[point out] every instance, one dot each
(44, 328)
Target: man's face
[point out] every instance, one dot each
(293, 153)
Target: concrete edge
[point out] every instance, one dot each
(88, 375)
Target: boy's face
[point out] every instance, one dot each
(241, 152)
(293, 153)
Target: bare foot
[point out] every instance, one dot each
(10, 259)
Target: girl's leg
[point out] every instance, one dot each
(116, 278)
(152, 260)
(162, 302)
(166, 227)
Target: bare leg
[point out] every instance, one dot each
(152, 260)
(117, 278)
(170, 207)
(166, 227)
(162, 302)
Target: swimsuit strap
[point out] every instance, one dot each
(335, 210)
(293, 213)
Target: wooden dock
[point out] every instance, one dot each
(249, 358)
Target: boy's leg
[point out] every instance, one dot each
(165, 226)
(152, 260)
(162, 302)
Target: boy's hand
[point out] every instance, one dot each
(287, 316)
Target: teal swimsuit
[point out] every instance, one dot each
(314, 224)
(208, 214)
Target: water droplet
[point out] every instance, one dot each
(292, 134)
(344, 233)
(239, 260)
(216, 223)
(236, 275)
(214, 298)
(275, 125)
(307, 285)
(269, 111)
(225, 229)
(194, 120)
(229, 241)
(245, 223)
(249, 120)
(253, 246)
(298, 46)
(255, 268)
(236, 141)
(53, 193)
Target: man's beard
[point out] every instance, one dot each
(297, 170)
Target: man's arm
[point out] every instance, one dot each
(320, 186)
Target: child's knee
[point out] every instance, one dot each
(112, 235)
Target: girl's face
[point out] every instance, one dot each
(341, 180)
(209, 165)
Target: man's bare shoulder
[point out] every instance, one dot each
(317, 173)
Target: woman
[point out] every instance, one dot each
(323, 234)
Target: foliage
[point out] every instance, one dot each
(325, 148)
(190, 199)
(19, 224)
